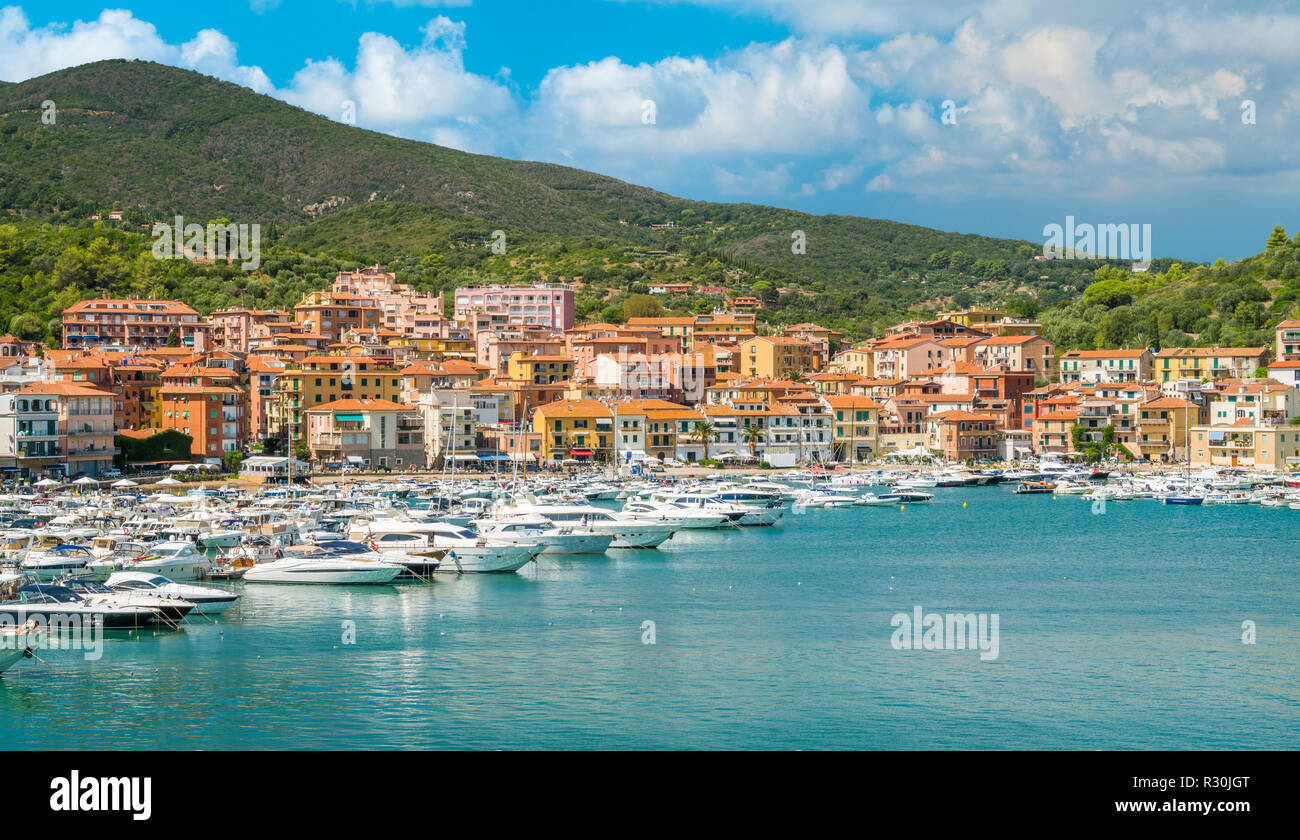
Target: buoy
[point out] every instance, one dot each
(902, 507)
(963, 504)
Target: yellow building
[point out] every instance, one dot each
(578, 429)
(710, 329)
(776, 356)
(1162, 426)
(856, 428)
(856, 360)
(971, 317)
(317, 380)
(1176, 363)
(539, 369)
(1248, 445)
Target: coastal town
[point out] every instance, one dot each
(372, 375)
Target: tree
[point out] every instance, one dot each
(233, 459)
(1110, 292)
(642, 306)
(173, 339)
(753, 436)
(302, 451)
(1276, 239)
(1093, 450)
(704, 432)
(27, 326)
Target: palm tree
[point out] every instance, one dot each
(704, 432)
(796, 375)
(753, 436)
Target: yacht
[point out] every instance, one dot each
(678, 514)
(59, 606)
(170, 610)
(56, 561)
(456, 549)
(823, 499)
(530, 530)
(339, 562)
(627, 531)
(741, 513)
(206, 599)
(173, 559)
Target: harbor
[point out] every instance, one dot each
(774, 634)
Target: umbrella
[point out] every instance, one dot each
(46, 482)
(85, 479)
(126, 482)
(169, 480)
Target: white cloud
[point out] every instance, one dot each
(1114, 103)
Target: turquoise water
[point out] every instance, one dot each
(1117, 630)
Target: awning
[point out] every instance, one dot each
(580, 453)
(497, 457)
(348, 418)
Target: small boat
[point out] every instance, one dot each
(1035, 487)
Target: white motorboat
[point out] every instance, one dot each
(171, 610)
(56, 561)
(206, 599)
(824, 499)
(177, 560)
(677, 514)
(740, 513)
(530, 530)
(627, 531)
(458, 549)
(339, 562)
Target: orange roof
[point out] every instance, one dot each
(845, 401)
(574, 408)
(1183, 352)
(951, 416)
(1011, 339)
(66, 389)
(1104, 354)
(360, 405)
(1169, 402)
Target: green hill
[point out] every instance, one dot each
(156, 141)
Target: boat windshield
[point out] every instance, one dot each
(343, 547)
(86, 586)
(38, 591)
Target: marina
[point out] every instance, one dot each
(493, 611)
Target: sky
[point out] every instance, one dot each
(997, 117)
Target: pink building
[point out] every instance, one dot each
(547, 305)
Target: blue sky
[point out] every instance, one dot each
(1117, 115)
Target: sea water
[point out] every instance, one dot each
(1119, 627)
